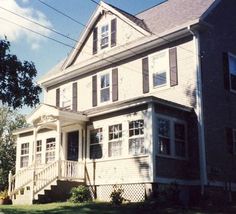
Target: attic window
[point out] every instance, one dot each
(104, 36)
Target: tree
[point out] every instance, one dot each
(10, 120)
(17, 87)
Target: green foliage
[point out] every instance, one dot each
(3, 194)
(17, 87)
(9, 121)
(116, 195)
(80, 194)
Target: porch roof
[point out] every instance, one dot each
(45, 113)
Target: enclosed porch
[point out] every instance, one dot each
(51, 150)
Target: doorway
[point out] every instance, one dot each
(73, 146)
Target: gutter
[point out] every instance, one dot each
(199, 112)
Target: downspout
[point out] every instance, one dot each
(199, 112)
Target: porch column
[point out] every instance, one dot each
(58, 141)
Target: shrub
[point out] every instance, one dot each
(116, 195)
(80, 194)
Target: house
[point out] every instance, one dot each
(142, 101)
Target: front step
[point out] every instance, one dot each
(23, 198)
(59, 192)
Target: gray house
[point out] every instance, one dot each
(143, 101)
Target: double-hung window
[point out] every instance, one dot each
(96, 139)
(136, 137)
(104, 36)
(159, 67)
(39, 152)
(24, 159)
(104, 87)
(50, 149)
(232, 72)
(172, 137)
(115, 141)
(66, 97)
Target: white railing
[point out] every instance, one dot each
(60, 169)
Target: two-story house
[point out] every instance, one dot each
(143, 100)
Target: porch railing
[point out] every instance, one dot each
(58, 170)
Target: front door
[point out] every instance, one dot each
(72, 146)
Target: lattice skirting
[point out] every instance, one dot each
(131, 192)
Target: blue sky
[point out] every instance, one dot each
(44, 52)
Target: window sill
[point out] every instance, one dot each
(117, 158)
(172, 157)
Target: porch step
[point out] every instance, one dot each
(58, 192)
(24, 198)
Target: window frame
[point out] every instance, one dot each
(100, 142)
(115, 140)
(140, 136)
(107, 87)
(66, 96)
(230, 83)
(39, 152)
(151, 65)
(48, 151)
(107, 36)
(25, 155)
(173, 121)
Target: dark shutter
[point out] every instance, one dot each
(226, 71)
(145, 75)
(58, 97)
(113, 32)
(229, 140)
(115, 84)
(94, 86)
(95, 40)
(173, 67)
(74, 96)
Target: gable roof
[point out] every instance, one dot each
(162, 18)
(173, 13)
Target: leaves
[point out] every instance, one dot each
(17, 87)
(9, 121)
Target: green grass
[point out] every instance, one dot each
(94, 207)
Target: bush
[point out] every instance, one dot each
(116, 196)
(80, 194)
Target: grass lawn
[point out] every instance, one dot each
(92, 208)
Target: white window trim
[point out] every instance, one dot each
(172, 137)
(100, 35)
(99, 88)
(120, 139)
(151, 72)
(41, 152)
(25, 155)
(51, 150)
(230, 85)
(67, 96)
(100, 143)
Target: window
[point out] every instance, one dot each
(104, 36)
(171, 137)
(136, 137)
(96, 138)
(115, 142)
(50, 149)
(39, 152)
(24, 159)
(232, 71)
(159, 67)
(66, 97)
(105, 88)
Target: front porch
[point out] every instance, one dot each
(52, 150)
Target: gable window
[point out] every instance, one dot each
(24, 159)
(136, 137)
(232, 71)
(50, 149)
(159, 67)
(104, 36)
(115, 141)
(96, 138)
(39, 152)
(105, 88)
(171, 137)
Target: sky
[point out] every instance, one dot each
(44, 52)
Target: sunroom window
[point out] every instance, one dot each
(115, 140)
(136, 137)
(39, 152)
(96, 138)
(50, 149)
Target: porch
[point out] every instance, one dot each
(52, 150)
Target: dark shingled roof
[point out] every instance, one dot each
(173, 13)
